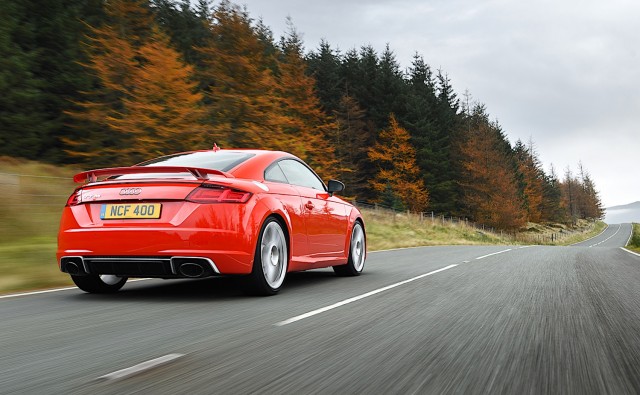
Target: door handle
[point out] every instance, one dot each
(309, 205)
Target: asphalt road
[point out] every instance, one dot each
(497, 319)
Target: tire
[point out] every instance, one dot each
(271, 260)
(99, 283)
(357, 253)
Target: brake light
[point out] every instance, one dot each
(75, 198)
(218, 195)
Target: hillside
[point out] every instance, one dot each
(623, 214)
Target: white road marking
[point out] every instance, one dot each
(141, 367)
(36, 292)
(398, 249)
(356, 298)
(603, 230)
(44, 291)
(494, 253)
(619, 227)
(630, 236)
(630, 252)
(525, 247)
(466, 261)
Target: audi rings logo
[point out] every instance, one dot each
(130, 191)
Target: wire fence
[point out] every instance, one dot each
(432, 218)
(39, 199)
(31, 205)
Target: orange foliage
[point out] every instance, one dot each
(241, 86)
(533, 182)
(161, 110)
(306, 127)
(395, 158)
(145, 103)
(490, 188)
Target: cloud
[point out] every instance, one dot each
(566, 74)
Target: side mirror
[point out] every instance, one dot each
(335, 186)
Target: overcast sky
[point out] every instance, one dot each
(565, 73)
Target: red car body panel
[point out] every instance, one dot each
(318, 225)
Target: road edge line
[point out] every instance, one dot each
(45, 291)
(603, 230)
(630, 252)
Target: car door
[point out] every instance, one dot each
(325, 216)
(294, 206)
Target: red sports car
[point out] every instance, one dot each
(207, 213)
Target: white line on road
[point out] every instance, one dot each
(141, 367)
(44, 291)
(356, 298)
(630, 252)
(603, 230)
(619, 227)
(630, 236)
(494, 253)
(36, 292)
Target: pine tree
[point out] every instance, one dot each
(552, 207)
(395, 158)
(306, 127)
(351, 140)
(25, 124)
(324, 66)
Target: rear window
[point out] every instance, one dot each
(221, 160)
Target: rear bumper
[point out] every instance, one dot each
(162, 267)
(157, 249)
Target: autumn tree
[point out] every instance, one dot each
(580, 196)
(240, 85)
(144, 104)
(531, 180)
(395, 158)
(161, 113)
(490, 190)
(307, 129)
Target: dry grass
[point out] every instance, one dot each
(387, 230)
(30, 209)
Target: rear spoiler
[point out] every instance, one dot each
(198, 172)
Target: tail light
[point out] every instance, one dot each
(75, 198)
(217, 194)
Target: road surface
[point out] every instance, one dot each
(490, 319)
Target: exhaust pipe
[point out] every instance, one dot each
(191, 269)
(73, 265)
(72, 268)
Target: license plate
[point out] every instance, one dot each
(130, 211)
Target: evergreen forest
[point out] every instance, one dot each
(112, 83)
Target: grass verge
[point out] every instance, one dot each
(634, 242)
(33, 194)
